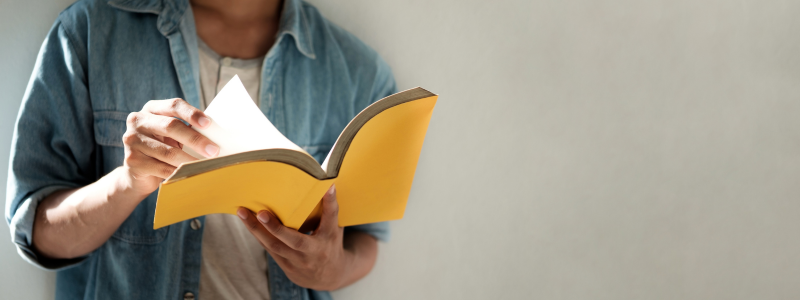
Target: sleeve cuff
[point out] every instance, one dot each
(21, 226)
(378, 230)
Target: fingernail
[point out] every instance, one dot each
(332, 189)
(203, 121)
(242, 214)
(212, 150)
(263, 217)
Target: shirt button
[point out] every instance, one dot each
(226, 61)
(196, 225)
(188, 296)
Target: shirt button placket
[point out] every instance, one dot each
(188, 296)
(196, 224)
(227, 61)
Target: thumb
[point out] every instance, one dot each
(329, 224)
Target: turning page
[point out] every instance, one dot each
(238, 125)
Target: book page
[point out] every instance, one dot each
(238, 125)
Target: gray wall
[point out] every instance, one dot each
(23, 26)
(579, 150)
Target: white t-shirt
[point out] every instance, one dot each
(234, 262)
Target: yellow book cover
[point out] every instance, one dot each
(372, 163)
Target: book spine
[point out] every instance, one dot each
(308, 203)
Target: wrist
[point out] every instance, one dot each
(348, 269)
(123, 185)
(359, 253)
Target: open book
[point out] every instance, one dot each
(372, 163)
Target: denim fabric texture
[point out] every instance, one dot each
(102, 60)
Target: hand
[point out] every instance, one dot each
(317, 261)
(154, 141)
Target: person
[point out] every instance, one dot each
(90, 148)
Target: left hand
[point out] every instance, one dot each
(317, 261)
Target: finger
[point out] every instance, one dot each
(267, 240)
(288, 236)
(180, 109)
(161, 151)
(329, 223)
(169, 127)
(148, 166)
(172, 142)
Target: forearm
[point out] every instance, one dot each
(72, 223)
(361, 250)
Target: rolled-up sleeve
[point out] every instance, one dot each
(53, 144)
(382, 86)
(380, 231)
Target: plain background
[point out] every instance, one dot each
(580, 149)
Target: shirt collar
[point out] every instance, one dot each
(293, 19)
(294, 22)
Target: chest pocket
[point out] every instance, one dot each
(109, 126)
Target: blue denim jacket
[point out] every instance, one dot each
(103, 60)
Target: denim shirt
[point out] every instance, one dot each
(102, 60)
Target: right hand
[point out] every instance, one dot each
(155, 139)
